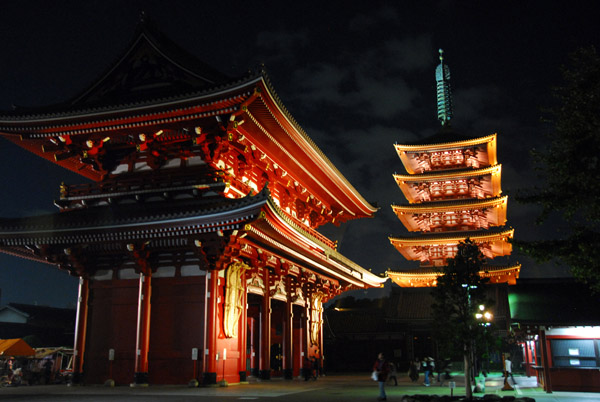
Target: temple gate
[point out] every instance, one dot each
(195, 241)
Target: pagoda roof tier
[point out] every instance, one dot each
(461, 214)
(468, 152)
(189, 232)
(451, 184)
(427, 277)
(239, 126)
(440, 246)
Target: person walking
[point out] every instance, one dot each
(382, 368)
(426, 367)
(413, 370)
(508, 369)
(443, 368)
(392, 375)
(307, 368)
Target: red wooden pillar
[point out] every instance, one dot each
(297, 337)
(143, 329)
(288, 341)
(307, 328)
(545, 361)
(528, 358)
(210, 375)
(321, 354)
(243, 331)
(265, 331)
(80, 330)
(252, 347)
(305, 322)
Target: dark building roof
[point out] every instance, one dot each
(47, 316)
(410, 304)
(353, 321)
(152, 67)
(45, 326)
(553, 302)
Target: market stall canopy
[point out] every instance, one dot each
(15, 347)
(42, 353)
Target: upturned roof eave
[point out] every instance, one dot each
(428, 277)
(51, 123)
(430, 271)
(446, 145)
(475, 235)
(449, 205)
(311, 148)
(286, 234)
(454, 174)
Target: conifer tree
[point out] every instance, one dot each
(569, 169)
(458, 293)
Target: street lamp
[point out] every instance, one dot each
(485, 319)
(484, 316)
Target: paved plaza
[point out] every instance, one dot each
(334, 387)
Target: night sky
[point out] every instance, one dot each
(357, 76)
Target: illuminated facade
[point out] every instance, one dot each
(453, 189)
(195, 241)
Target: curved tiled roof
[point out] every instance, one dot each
(216, 97)
(455, 236)
(452, 174)
(151, 219)
(281, 232)
(427, 277)
(139, 76)
(451, 205)
(444, 140)
(433, 271)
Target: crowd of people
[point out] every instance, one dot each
(385, 371)
(15, 372)
(312, 368)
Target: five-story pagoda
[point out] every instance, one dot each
(454, 193)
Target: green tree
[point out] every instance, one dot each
(569, 169)
(457, 296)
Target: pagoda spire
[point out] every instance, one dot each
(444, 96)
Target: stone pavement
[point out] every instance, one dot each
(334, 387)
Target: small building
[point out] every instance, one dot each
(13, 315)
(557, 326)
(40, 325)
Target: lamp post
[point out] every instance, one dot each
(485, 319)
(469, 344)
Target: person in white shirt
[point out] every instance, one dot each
(508, 369)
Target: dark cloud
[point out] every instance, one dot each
(357, 76)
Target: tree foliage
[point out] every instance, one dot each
(569, 169)
(458, 293)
